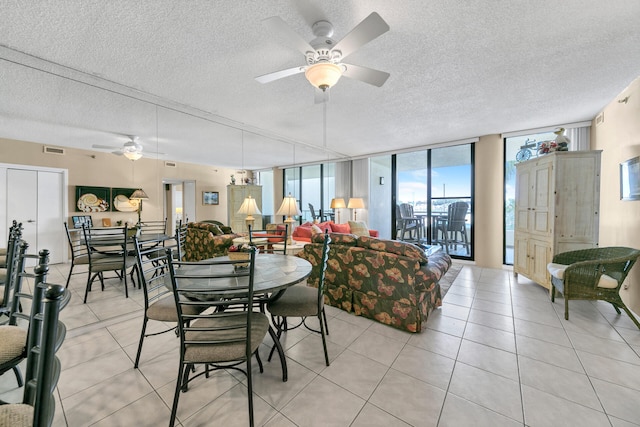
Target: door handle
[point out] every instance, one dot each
(31, 220)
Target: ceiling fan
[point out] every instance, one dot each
(131, 149)
(324, 56)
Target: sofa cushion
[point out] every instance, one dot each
(359, 228)
(302, 232)
(341, 228)
(397, 247)
(337, 239)
(557, 270)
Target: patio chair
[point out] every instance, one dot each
(592, 274)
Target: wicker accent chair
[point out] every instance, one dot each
(592, 274)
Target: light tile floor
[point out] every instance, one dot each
(498, 353)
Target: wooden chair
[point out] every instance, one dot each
(228, 333)
(312, 211)
(303, 301)
(406, 222)
(114, 255)
(46, 334)
(592, 274)
(453, 227)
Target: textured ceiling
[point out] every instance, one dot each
(180, 74)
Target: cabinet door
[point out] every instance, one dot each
(523, 189)
(521, 255)
(541, 199)
(540, 256)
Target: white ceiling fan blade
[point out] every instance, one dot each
(106, 147)
(371, 27)
(266, 78)
(364, 74)
(117, 153)
(290, 37)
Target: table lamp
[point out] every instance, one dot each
(139, 195)
(355, 203)
(289, 208)
(249, 208)
(338, 203)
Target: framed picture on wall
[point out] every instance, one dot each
(92, 199)
(630, 179)
(120, 201)
(210, 198)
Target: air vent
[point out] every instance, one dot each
(170, 164)
(600, 119)
(53, 150)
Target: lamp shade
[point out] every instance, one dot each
(338, 203)
(139, 194)
(289, 207)
(249, 207)
(323, 75)
(356, 203)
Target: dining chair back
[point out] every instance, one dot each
(228, 332)
(8, 273)
(108, 249)
(3, 251)
(153, 276)
(78, 250)
(154, 227)
(43, 367)
(303, 301)
(181, 240)
(13, 335)
(271, 241)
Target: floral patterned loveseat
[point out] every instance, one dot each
(389, 281)
(207, 240)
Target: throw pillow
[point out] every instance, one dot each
(303, 232)
(326, 225)
(315, 230)
(359, 228)
(341, 228)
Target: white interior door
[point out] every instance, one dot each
(189, 200)
(22, 203)
(37, 199)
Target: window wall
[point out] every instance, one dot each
(311, 185)
(431, 180)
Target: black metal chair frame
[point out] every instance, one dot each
(117, 254)
(280, 322)
(221, 311)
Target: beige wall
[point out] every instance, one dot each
(108, 170)
(618, 136)
(489, 192)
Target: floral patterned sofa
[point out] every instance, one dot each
(207, 240)
(389, 281)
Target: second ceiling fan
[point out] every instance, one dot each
(324, 56)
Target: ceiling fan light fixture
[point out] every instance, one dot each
(323, 75)
(132, 155)
(132, 150)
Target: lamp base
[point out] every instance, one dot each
(289, 221)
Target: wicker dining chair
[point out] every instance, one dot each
(592, 274)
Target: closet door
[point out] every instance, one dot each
(35, 199)
(22, 203)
